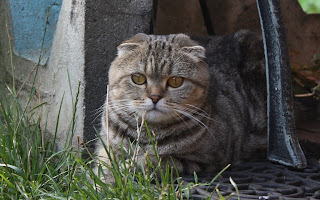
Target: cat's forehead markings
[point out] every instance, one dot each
(159, 57)
(163, 40)
(157, 64)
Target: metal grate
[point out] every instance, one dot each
(262, 180)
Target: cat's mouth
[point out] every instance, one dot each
(155, 109)
(156, 112)
(156, 115)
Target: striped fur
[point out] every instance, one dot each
(217, 116)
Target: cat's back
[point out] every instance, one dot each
(237, 91)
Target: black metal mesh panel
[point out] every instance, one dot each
(262, 180)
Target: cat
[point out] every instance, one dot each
(204, 101)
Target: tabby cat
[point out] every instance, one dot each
(204, 101)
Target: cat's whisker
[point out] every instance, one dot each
(101, 108)
(98, 112)
(195, 112)
(200, 114)
(118, 105)
(125, 106)
(203, 114)
(98, 115)
(198, 109)
(192, 117)
(125, 102)
(181, 119)
(117, 109)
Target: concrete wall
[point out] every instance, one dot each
(57, 77)
(65, 72)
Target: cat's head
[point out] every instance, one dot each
(164, 76)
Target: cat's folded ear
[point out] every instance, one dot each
(190, 47)
(197, 52)
(131, 45)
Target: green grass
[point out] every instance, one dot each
(30, 168)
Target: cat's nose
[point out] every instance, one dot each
(155, 98)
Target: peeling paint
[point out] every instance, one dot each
(30, 24)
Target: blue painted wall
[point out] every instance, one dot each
(29, 18)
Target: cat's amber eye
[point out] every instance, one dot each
(138, 79)
(175, 81)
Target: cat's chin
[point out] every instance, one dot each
(156, 116)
